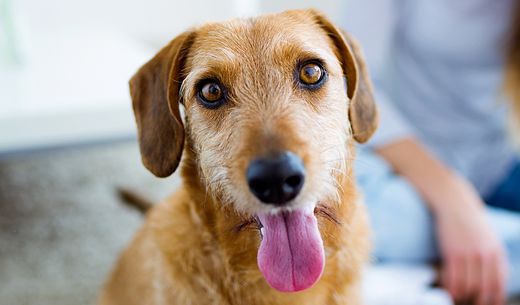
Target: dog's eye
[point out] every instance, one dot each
(211, 94)
(311, 74)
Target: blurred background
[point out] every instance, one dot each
(68, 137)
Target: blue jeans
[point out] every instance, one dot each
(403, 226)
(507, 194)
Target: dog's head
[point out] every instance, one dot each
(272, 105)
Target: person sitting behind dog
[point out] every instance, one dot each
(441, 178)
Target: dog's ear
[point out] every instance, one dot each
(155, 99)
(363, 114)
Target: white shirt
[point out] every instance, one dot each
(437, 67)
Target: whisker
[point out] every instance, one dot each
(327, 213)
(250, 223)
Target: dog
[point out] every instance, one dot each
(268, 211)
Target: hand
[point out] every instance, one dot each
(474, 262)
(475, 267)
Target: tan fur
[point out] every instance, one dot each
(199, 246)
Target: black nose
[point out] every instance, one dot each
(276, 179)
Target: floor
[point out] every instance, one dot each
(61, 223)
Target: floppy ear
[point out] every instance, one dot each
(362, 113)
(155, 99)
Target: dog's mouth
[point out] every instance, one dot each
(291, 255)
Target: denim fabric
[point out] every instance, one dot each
(507, 194)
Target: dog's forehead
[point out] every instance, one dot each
(267, 38)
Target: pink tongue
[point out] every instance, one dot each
(291, 256)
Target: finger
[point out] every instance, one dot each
(464, 280)
(498, 285)
(446, 276)
(473, 274)
(484, 296)
(501, 279)
(455, 271)
(492, 284)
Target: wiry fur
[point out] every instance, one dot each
(199, 246)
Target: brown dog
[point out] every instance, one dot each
(268, 203)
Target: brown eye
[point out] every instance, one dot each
(211, 94)
(311, 74)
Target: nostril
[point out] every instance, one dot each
(294, 181)
(258, 185)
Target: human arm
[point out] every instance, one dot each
(474, 262)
